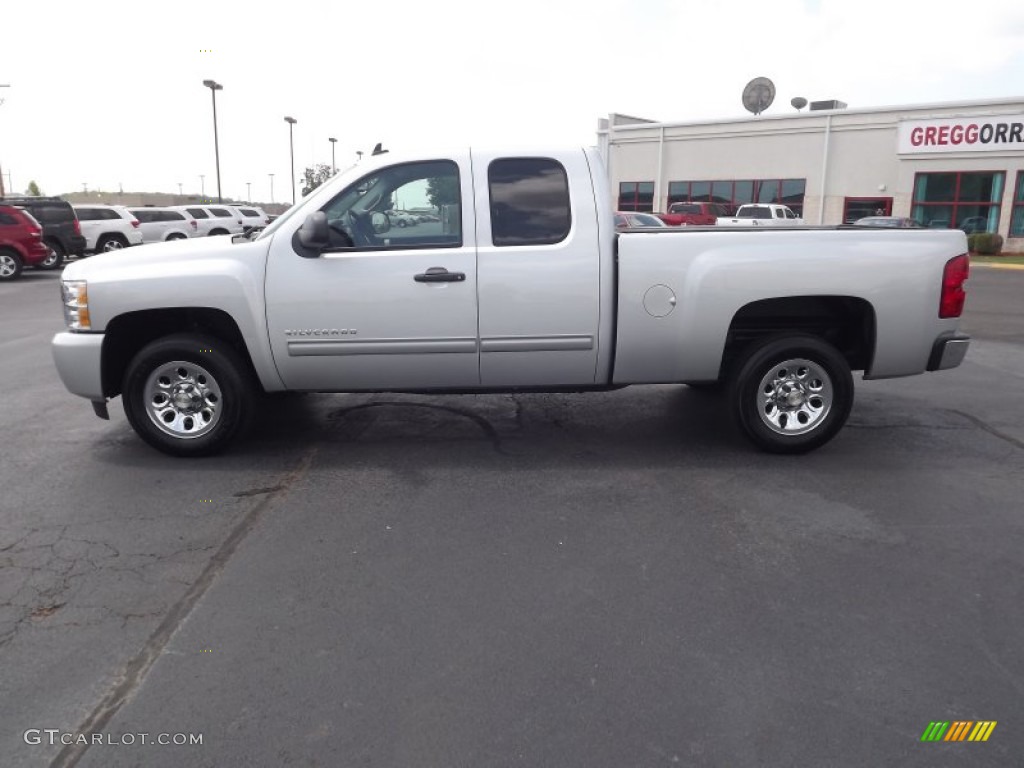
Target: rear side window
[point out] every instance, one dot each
(220, 212)
(197, 213)
(109, 214)
(7, 220)
(89, 214)
(248, 212)
(53, 214)
(529, 201)
(144, 216)
(170, 216)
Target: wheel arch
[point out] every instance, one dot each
(127, 334)
(846, 322)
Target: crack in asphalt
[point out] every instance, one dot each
(135, 671)
(988, 428)
(485, 426)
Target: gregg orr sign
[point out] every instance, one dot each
(962, 134)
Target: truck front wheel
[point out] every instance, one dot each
(791, 394)
(188, 395)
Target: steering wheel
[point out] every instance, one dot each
(362, 230)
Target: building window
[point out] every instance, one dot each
(1017, 216)
(860, 207)
(967, 201)
(733, 194)
(636, 196)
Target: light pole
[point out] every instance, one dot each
(179, 189)
(291, 143)
(271, 186)
(214, 87)
(334, 168)
(248, 192)
(202, 186)
(359, 154)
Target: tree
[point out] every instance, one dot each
(442, 190)
(33, 189)
(314, 177)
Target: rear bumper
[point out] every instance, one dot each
(79, 358)
(948, 352)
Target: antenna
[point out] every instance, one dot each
(378, 150)
(798, 102)
(758, 95)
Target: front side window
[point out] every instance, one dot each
(967, 201)
(373, 212)
(530, 201)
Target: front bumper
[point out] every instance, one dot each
(948, 352)
(79, 359)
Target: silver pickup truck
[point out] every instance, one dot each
(517, 281)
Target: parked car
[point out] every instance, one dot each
(159, 224)
(108, 227)
(62, 233)
(762, 214)
(21, 242)
(252, 217)
(531, 289)
(694, 214)
(897, 222)
(401, 219)
(633, 219)
(214, 219)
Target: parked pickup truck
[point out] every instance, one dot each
(693, 214)
(523, 283)
(762, 214)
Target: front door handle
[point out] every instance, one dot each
(439, 275)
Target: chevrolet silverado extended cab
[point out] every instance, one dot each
(522, 283)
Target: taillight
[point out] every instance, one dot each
(194, 225)
(951, 303)
(241, 223)
(135, 222)
(78, 227)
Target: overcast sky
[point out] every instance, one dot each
(107, 93)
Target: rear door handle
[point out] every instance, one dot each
(439, 275)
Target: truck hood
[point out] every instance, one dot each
(176, 257)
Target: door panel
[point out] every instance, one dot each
(539, 301)
(359, 319)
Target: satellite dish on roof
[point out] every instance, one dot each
(758, 95)
(798, 102)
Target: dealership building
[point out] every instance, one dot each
(947, 165)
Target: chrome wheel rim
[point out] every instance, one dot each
(112, 245)
(183, 400)
(7, 265)
(52, 257)
(794, 397)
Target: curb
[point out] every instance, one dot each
(990, 265)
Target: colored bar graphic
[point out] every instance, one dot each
(958, 730)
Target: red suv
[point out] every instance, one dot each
(694, 214)
(21, 242)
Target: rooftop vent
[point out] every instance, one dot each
(828, 104)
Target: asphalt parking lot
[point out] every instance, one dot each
(610, 579)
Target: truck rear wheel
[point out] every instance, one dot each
(791, 394)
(188, 395)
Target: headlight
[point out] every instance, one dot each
(75, 295)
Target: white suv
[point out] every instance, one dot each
(215, 219)
(108, 227)
(159, 224)
(252, 217)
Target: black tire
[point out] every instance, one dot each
(814, 378)
(219, 232)
(109, 243)
(213, 367)
(176, 236)
(56, 257)
(10, 265)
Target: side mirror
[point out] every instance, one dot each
(380, 223)
(313, 233)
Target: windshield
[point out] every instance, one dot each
(276, 223)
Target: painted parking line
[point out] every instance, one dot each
(996, 266)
